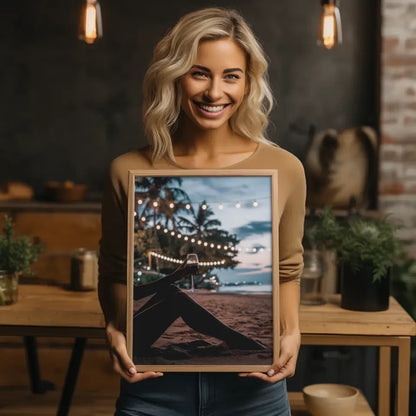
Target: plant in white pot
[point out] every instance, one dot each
(16, 256)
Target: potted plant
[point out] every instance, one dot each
(16, 256)
(366, 248)
(321, 230)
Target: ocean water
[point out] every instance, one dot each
(246, 289)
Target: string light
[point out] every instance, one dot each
(205, 243)
(193, 240)
(202, 242)
(180, 261)
(203, 205)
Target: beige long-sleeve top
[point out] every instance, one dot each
(291, 208)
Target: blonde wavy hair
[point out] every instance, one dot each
(174, 56)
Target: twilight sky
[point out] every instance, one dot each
(252, 224)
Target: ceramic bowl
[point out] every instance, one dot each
(330, 399)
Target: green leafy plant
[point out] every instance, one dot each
(323, 230)
(16, 254)
(360, 241)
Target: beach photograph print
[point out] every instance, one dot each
(202, 282)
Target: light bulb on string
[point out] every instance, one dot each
(238, 205)
(330, 31)
(255, 204)
(91, 27)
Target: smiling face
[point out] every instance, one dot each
(215, 86)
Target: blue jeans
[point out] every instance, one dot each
(202, 394)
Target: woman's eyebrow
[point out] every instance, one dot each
(226, 71)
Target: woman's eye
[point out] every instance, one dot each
(232, 76)
(199, 74)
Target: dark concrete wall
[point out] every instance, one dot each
(68, 108)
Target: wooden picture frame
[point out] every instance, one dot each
(217, 312)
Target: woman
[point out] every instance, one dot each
(206, 103)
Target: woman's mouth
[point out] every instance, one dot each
(211, 109)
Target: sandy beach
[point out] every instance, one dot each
(249, 314)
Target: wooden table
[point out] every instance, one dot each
(55, 312)
(331, 325)
(51, 311)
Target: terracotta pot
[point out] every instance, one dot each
(360, 293)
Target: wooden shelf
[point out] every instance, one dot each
(298, 408)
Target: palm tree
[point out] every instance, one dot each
(201, 224)
(161, 198)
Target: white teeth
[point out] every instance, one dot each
(212, 109)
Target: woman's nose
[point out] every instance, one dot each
(213, 92)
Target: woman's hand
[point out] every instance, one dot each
(286, 364)
(122, 364)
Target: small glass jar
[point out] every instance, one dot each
(84, 270)
(8, 287)
(311, 287)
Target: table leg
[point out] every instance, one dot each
(403, 377)
(37, 385)
(384, 381)
(71, 376)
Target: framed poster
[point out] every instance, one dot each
(203, 268)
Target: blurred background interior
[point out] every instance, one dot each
(68, 107)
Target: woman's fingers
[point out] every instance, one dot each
(122, 364)
(285, 366)
(276, 373)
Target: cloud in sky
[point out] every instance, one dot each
(253, 228)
